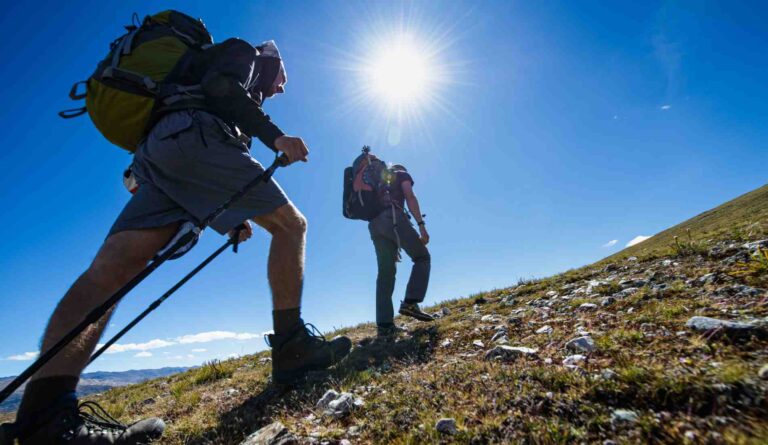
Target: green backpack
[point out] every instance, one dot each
(129, 85)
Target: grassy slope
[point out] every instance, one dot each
(677, 384)
(745, 217)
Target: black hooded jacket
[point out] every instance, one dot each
(233, 79)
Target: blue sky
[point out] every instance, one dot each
(552, 129)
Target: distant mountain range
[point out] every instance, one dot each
(94, 382)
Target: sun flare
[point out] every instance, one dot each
(399, 74)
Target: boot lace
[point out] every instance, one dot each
(97, 418)
(315, 333)
(310, 329)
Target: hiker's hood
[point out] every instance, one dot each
(271, 70)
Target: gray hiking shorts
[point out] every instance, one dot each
(190, 164)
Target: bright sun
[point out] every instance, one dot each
(399, 74)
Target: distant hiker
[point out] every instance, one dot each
(197, 106)
(378, 194)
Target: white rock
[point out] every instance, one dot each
(274, 433)
(478, 343)
(624, 415)
(510, 353)
(327, 398)
(587, 307)
(573, 359)
(544, 330)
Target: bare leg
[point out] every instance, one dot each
(122, 256)
(285, 268)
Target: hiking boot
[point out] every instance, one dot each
(389, 332)
(413, 310)
(86, 424)
(304, 350)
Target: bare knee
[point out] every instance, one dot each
(287, 220)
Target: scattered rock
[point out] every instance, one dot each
(354, 430)
(273, 434)
(515, 321)
(446, 343)
(446, 426)
(545, 330)
(763, 373)
(327, 398)
(607, 301)
(442, 313)
(594, 284)
(730, 328)
(231, 392)
(343, 404)
(762, 244)
(624, 416)
(507, 354)
(489, 318)
(500, 337)
(573, 360)
(626, 284)
(551, 294)
(625, 292)
(587, 307)
(710, 278)
(478, 343)
(632, 259)
(581, 344)
(608, 374)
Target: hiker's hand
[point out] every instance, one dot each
(424, 235)
(245, 233)
(293, 147)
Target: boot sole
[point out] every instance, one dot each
(416, 316)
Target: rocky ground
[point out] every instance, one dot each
(665, 349)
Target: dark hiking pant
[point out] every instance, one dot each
(382, 230)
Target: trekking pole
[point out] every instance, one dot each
(103, 308)
(155, 304)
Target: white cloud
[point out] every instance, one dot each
(611, 243)
(152, 344)
(636, 240)
(24, 357)
(199, 350)
(143, 354)
(205, 337)
(666, 107)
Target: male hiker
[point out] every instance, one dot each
(192, 160)
(391, 230)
